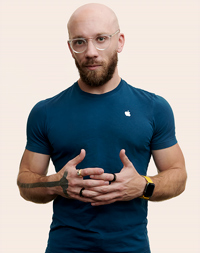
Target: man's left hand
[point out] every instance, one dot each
(127, 186)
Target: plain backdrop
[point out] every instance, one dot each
(161, 55)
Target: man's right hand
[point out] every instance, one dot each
(70, 183)
(36, 186)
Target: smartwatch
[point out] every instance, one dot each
(149, 188)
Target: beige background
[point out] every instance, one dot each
(161, 54)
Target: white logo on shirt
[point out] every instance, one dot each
(127, 113)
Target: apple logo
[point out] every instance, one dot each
(127, 113)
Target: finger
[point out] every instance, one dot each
(89, 194)
(85, 196)
(78, 159)
(103, 203)
(91, 171)
(104, 176)
(105, 189)
(126, 162)
(89, 183)
(105, 199)
(83, 199)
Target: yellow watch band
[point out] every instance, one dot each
(148, 179)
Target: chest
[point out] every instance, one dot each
(102, 129)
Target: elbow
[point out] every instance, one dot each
(183, 182)
(23, 195)
(22, 191)
(33, 196)
(20, 188)
(37, 199)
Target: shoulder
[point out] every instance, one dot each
(141, 98)
(138, 92)
(157, 101)
(161, 107)
(52, 101)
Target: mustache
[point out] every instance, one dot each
(91, 62)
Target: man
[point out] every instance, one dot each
(100, 134)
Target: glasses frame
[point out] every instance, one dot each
(86, 40)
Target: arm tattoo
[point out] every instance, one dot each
(63, 183)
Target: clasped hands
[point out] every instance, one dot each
(99, 189)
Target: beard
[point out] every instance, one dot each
(96, 78)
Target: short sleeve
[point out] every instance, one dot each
(163, 125)
(37, 140)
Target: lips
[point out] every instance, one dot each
(92, 67)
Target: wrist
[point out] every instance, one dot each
(142, 186)
(52, 183)
(149, 188)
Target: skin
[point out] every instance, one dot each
(85, 23)
(36, 186)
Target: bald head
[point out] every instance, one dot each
(91, 17)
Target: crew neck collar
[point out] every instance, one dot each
(109, 93)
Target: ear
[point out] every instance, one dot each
(121, 42)
(72, 53)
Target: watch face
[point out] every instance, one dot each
(149, 190)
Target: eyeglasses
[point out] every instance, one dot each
(101, 42)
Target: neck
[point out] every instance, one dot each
(109, 86)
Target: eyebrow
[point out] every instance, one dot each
(82, 37)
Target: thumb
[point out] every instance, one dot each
(79, 158)
(126, 162)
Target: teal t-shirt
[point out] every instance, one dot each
(124, 118)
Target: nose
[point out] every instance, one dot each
(91, 50)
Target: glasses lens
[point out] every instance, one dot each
(101, 42)
(78, 45)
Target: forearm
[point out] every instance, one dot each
(37, 188)
(169, 184)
